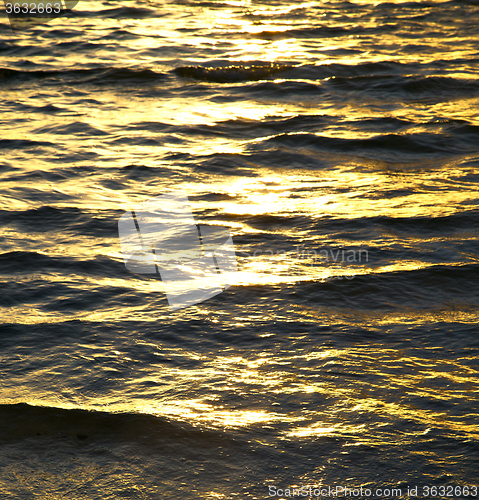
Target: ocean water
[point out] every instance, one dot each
(339, 144)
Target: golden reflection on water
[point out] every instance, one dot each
(354, 190)
(355, 400)
(347, 192)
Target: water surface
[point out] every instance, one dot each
(301, 127)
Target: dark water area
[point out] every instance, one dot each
(338, 142)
